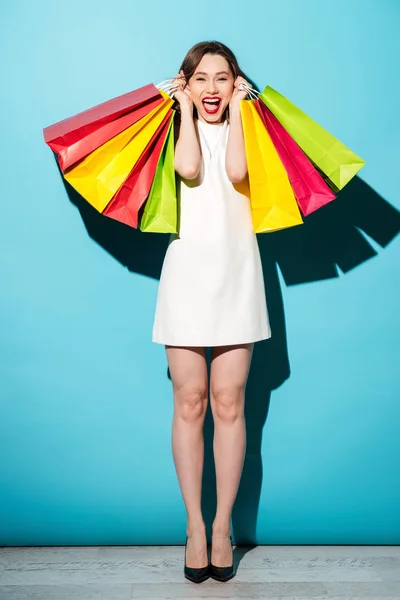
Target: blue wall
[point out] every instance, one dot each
(86, 402)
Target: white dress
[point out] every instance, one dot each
(211, 290)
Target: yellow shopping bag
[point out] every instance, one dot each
(273, 204)
(99, 176)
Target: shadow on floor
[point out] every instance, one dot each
(330, 239)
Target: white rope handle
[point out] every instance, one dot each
(158, 85)
(168, 86)
(251, 91)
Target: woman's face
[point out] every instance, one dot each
(211, 87)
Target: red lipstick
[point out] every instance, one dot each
(211, 104)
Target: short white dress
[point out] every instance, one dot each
(211, 290)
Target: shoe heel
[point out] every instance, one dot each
(196, 575)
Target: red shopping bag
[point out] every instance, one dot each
(310, 189)
(75, 137)
(133, 193)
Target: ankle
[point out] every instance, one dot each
(221, 530)
(195, 528)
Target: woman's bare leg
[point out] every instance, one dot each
(229, 370)
(188, 369)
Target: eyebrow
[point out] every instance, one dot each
(204, 73)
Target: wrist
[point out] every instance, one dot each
(187, 110)
(234, 108)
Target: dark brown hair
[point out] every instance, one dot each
(193, 58)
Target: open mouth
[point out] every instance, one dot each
(211, 105)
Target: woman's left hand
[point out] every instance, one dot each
(238, 94)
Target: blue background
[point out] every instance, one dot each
(86, 402)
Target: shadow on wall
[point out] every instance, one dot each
(328, 239)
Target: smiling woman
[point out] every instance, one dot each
(211, 294)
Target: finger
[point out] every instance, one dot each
(241, 79)
(179, 77)
(178, 83)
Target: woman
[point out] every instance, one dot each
(211, 295)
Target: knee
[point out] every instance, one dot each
(228, 402)
(191, 402)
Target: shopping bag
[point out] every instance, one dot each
(72, 154)
(310, 189)
(126, 203)
(160, 214)
(75, 137)
(273, 204)
(99, 176)
(332, 157)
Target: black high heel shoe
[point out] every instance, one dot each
(223, 573)
(197, 575)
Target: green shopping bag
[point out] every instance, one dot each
(160, 214)
(333, 158)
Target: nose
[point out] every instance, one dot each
(212, 87)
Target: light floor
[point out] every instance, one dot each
(156, 572)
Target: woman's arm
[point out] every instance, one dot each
(235, 159)
(187, 149)
(187, 157)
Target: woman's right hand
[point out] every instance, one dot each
(182, 91)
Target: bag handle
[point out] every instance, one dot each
(167, 86)
(251, 91)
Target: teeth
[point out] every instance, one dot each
(211, 101)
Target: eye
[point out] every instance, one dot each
(220, 79)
